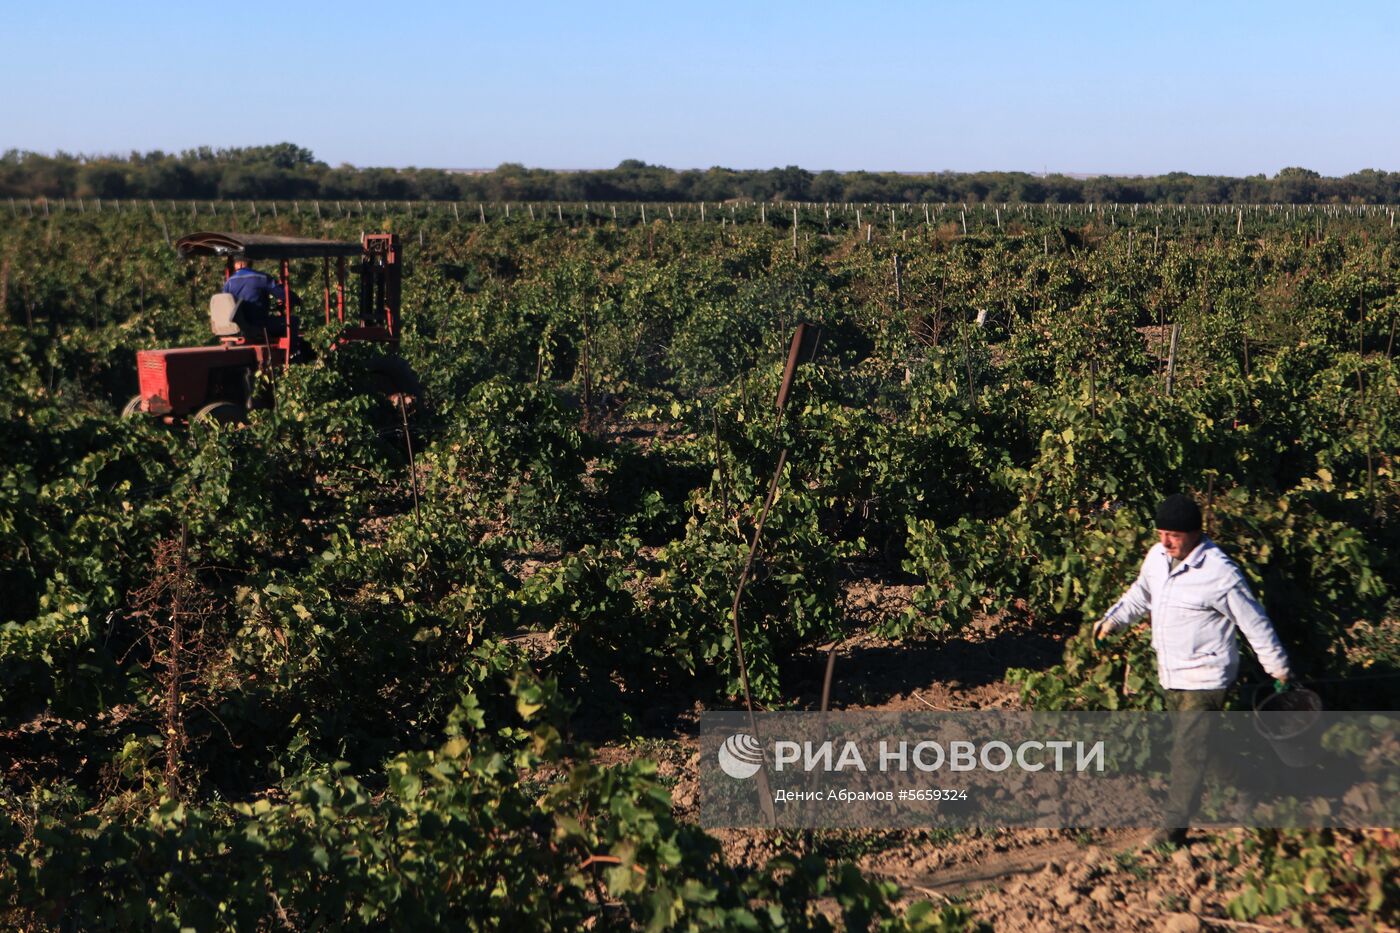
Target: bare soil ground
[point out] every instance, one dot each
(1031, 879)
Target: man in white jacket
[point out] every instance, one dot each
(1197, 598)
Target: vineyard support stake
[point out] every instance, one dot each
(805, 340)
(1171, 359)
(719, 464)
(412, 467)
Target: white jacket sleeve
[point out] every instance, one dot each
(1133, 605)
(1241, 606)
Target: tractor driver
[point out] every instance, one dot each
(255, 290)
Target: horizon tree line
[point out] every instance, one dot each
(285, 171)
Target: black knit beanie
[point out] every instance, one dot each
(1178, 513)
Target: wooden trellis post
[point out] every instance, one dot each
(1171, 359)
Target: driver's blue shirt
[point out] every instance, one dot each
(254, 287)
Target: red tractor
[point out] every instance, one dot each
(218, 382)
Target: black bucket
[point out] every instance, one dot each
(1290, 721)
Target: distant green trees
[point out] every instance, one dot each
(287, 171)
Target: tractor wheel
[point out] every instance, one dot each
(222, 412)
(132, 408)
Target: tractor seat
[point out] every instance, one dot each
(224, 315)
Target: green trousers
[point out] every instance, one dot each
(1190, 743)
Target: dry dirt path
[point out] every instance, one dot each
(1027, 879)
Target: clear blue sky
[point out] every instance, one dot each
(1203, 87)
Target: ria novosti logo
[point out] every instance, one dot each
(740, 756)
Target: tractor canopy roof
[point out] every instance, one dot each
(257, 246)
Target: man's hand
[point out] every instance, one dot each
(1102, 628)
